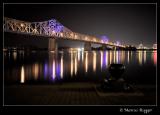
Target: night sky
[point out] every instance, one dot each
(127, 23)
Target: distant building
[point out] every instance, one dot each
(154, 46)
(140, 46)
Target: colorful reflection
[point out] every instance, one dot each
(45, 69)
(57, 67)
(71, 63)
(144, 56)
(128, 56)
(101, 59)
(154, 57)
(79, 53)
(14, 55)
(105, 60)
(106, 57)
(35, 70)
(86, 62)
(75, 64)
(114, 57)
(117, 56)
(22, 80)
(122, 56)
(94, 61)
(110, 57)
(61, 67)
(131, 55)
(53, 68)
(140, 57)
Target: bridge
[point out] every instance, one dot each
(53, 30)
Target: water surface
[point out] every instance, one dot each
(43, 67)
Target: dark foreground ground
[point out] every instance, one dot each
(76, 94)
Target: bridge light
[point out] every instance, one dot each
(79, 49)
(75, 36)
(61, 34)
(117, 43)
(102, 41)
(86, 38)
(22, 25)
(71, 34)
(53, 32)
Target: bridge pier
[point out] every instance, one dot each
(52, 45)
(87, 46)
(114, 47)
(104, 47)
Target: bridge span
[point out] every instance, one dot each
(52, 30)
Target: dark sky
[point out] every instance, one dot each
(126, 23)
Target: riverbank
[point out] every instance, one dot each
(76, 94)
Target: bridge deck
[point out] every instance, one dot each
(50, 29)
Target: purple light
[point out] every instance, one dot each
(104, 38)
(45, 70)
(118, 43)
(104, 59)
(55, 26)
(58, 69)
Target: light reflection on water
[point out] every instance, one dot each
(53, 70)
(71, 63)
(86, 62)
(154, 57)
(59, 66)
(14, 55)
(94, 61)
(22, 75)
(101, 59)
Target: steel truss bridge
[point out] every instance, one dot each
(50, 29)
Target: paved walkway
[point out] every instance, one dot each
(74, 94)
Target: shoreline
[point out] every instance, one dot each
(75, 94)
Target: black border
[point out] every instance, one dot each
(78, 109)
